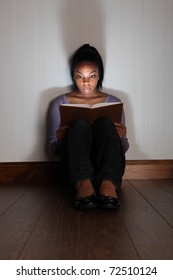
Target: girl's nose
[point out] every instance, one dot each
(86, 80)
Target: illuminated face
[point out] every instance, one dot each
(86, 78)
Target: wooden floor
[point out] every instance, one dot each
(38, 221)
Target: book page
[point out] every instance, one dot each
(104, 104)
(97, 105)
(76, 105)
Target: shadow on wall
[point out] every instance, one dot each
(81, 22)
(47, 97)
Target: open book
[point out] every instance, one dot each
(71, 112)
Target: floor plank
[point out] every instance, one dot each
(58, 228)
(159, 193)
(103, 235)
(150, 233)
(9, 195)
(18, 222)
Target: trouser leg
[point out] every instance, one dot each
(108, 155)
(79, 143)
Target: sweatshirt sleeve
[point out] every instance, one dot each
(124, 140)
(54, 124)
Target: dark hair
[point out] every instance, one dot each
(89, 54)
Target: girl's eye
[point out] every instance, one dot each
(92, 76)
(78, 77)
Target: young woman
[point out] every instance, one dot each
(95, 154)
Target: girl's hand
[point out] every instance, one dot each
(61, 132)
(121, 129)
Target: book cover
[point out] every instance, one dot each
(71, 112)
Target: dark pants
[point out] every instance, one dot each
(94, 152)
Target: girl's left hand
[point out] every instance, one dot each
(121, 129)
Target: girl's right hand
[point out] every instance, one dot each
(61, 132)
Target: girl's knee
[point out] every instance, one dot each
(103, 122)
(80, 122)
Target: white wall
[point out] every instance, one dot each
(135, 38)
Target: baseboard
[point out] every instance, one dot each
(47, 171)
(28, 171)
(149, 169)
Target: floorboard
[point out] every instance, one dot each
(56, 234)
(159, 195)
(103, 235)
(9, 195)
(150, 233)
(17, 224)
(38, 221)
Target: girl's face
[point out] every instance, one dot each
(86, 78)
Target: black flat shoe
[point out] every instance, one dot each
(87, 202)
(108, 202)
